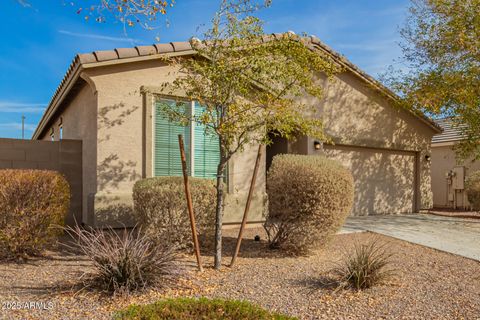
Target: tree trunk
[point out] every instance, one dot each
(219, 214)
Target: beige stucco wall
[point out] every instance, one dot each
(444, 160)
(117, 138)
(240, 174)
(79, 123)
(384, 180)
(124, 142)
(356, 116)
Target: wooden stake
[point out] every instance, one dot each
(189, 202)
(247, 206)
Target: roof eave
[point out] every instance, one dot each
(73, 75)
(372, 81)
(59, 96)
(161, 51)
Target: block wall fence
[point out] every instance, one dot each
(64, 156)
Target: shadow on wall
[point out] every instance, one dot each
(240, 173)
(353, 112)
(113, 116)
(115, 211)
(115, 172)
(112, 171)
(355, 115)
(384, 180)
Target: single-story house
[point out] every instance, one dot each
(108, 100)
(448, 171)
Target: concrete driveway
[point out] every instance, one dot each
(454, 235)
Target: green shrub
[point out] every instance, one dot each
(203, 308)
(472, 187)
(31, 202)
(366, 266)
(125, 261)
(309, 198)
(161, 209)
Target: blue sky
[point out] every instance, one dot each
(39, 42)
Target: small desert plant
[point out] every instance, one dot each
(161, 209)
(366, 266)
(202, 308)
(309, 198)
(472, 187)
(125, 262)
(31, 202)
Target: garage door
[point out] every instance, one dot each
(384, 179)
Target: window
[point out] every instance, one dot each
(206, 149)
(201, 148)
(166, 151)
(60, 129)
(52, 134)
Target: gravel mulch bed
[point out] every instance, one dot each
(429, 284)
(446, 212)
(54, 282)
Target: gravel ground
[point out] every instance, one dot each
(428, 285)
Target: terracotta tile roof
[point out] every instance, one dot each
(451, 132)
(108, 55)
(122, 53)
(177, 47)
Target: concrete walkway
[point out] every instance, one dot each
(454, 235)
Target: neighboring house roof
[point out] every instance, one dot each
(451, 132)
(124, 55)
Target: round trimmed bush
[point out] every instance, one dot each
(309, 198)
(31, 203)
(161, 209)
(472, 187)
(203, 308)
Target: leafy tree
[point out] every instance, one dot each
(130, 12)
(249, 85)
(441, 48)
